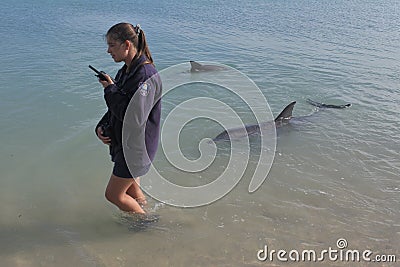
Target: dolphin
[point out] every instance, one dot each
(282, 119)
(197, 67)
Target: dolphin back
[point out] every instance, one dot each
(286, 113)
(195, 66)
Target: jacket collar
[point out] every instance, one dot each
(123, 76)
(135, 64)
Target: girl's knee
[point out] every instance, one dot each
(108, 195)
(113, 197)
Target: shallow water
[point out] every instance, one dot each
(335, 174)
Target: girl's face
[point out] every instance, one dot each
(117, 50)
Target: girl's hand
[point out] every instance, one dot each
(105, 139)
(107, 82)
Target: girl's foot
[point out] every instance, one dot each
(141, 201)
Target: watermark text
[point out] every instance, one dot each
(338, 253)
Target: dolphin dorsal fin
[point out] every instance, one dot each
(195, 65)
(286, 113)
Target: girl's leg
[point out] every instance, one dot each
(136, 192)
(116, 193)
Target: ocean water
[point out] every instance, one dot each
(334, 175)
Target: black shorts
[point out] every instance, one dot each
(121, 169)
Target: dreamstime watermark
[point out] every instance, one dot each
(211, 108)
(339, 253)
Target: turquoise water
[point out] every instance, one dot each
(334, 176)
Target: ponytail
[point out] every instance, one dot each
(142, 47)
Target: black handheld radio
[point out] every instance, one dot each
(99, 74)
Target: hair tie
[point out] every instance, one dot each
(138, 29)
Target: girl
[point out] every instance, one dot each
(136, 81)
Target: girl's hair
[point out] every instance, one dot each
(126, 31)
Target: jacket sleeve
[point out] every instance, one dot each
(143, 102)
(136, 118)
(117, 101)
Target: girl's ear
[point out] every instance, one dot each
(127, 44)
